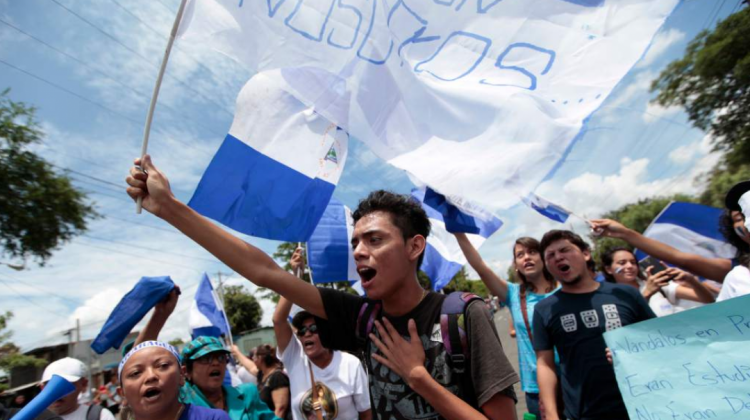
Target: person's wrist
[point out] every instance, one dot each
(416, 378)
(169, 207)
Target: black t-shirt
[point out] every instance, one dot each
(491, 373)
(575, 324)
(277, 379)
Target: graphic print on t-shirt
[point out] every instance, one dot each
(569, 322)
(590, 318)
(612, 316)
(327, 399)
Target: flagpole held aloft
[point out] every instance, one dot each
(154, 97)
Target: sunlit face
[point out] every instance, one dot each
(527, 261)
(208, 371)
(151, 381)
(68, 403)
(384, 260)
(566, 262)
(624, 267)
(311, 340)
(738, 223)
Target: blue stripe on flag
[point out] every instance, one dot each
(256, 195)
(328, 249)
(457, 221)
(438, 269)
(696, 217)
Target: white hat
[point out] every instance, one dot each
(69, 368)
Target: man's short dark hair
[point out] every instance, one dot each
(406, 214)
(573, 238)
(299, 319)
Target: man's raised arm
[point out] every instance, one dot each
(247, 260)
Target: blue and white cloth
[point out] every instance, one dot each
(692, 228)
(474, 98)
(277, 168)
(547, 209)
(329, 250)
(207, 316)
(144, 345)
(443, 257)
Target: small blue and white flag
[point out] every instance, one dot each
(547, 209)
(329, 250)
(277, 168)
(692, 228)
(207, 316)
(443, 257)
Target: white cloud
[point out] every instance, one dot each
(661, 43)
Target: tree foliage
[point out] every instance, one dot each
(243, 310)
(10, 355)
(460, 282)
(39, 208)
(712, 83)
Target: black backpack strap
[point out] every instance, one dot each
(94, 412)
(368, 313)
(455, 339)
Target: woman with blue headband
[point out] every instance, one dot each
(150, 381)
(205, 361)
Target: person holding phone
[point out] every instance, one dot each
(663, 287)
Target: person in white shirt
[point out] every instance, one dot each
(341, 386)
(68, 407)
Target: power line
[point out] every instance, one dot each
(137, 54)
(80, 62)
(113, 112)
(26, 298)
(150, 249)
(65, 298)
(138, 256)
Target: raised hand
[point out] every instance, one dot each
(150, 184)
(608, 228)
(297, 262)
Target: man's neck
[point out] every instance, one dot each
(323, 360)
(405, 299)
(587, 284)
(72, 410)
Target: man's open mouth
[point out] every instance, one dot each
(214, 373)
(564, 268)
(367, 273)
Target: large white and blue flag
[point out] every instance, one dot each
(480, 99)
(207, 316)
(443, 257)
(329, 249)
(547, 209)
(692, 228)
(277, 168)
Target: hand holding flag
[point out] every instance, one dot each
(149, 184)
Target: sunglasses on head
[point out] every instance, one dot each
(312, 328)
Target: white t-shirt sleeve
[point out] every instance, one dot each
(670, 291)
(292, 354)
(361, 388)
(106, 415)
(736, 283)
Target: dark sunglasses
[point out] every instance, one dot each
(312, 328)
(212, 357)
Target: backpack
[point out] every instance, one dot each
(94, 412)
(454, 337)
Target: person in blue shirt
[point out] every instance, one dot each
(536, 283)
(151, 379)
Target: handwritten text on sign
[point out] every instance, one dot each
(692, 365)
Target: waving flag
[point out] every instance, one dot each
(207, 315)
(443, 257)
(470, 97)
(545, 208)
(277, 168)
(329, 250)
(130, 310)
(692, 228)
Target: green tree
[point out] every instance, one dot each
(720, 180)
(177, 342)
(10, 355)
(460, 282)
(712, 83)
(243, 310)
(39, 208)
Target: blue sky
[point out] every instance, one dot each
(90, 66)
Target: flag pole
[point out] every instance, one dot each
(314, 389)
(152, 106)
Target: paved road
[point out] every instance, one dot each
(511, 350)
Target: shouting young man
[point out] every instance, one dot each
(573, 321)
(409, 374)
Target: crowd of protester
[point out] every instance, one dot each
(418, 358)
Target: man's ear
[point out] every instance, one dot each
(416, 247)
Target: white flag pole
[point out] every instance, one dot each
(152, 106)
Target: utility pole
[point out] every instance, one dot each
(220, 289)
